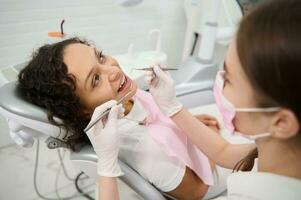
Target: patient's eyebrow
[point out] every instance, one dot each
(92, 69)
(90, 73)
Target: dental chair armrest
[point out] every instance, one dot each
(130, 177)
(138, 184)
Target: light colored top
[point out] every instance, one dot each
(255, 185)
(261, 185)
(172, 140)
(143, 154)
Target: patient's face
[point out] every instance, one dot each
(99, 78)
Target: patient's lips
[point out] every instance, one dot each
(124, 85)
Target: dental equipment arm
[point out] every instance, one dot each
(213, 145)
(207, 45)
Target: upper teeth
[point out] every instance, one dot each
(122, 82)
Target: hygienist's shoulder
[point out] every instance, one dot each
(261, 185)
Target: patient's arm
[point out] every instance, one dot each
(108, 188)
(190, 188)
(213, 145)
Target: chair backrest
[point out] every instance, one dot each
(25, 120)
(12, 101)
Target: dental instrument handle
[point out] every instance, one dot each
(105, 113)
(150, 69)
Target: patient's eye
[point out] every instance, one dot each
(101, 57)
(96, 80)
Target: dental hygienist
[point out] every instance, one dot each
(258, 94)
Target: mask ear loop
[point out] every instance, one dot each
(269, 109)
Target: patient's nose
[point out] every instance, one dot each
(114, 74)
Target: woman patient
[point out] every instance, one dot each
(71, 78)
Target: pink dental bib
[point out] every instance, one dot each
(172, 140)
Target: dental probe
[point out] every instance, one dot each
(106, 112)
(151, 69)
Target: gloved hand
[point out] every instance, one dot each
(161, 87)
(105, 139)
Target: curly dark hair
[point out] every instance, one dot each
(45, 81)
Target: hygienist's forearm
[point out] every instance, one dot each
(108, 188)
(213, 145)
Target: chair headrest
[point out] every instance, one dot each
(12, 101)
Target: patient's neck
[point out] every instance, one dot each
(128, 105)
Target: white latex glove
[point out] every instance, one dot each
(105, 139)
(162, 88)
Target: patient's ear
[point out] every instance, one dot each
(285, 124)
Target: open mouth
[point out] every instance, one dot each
(125, 83)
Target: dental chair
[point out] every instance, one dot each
(28, 122)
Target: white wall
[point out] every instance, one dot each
(24, 25)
